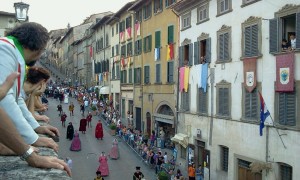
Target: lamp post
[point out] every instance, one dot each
(21, 11)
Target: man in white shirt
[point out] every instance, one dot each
(293, 41)
(166, 158)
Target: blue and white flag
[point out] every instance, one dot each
(264, 114)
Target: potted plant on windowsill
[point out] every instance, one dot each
(113, 129)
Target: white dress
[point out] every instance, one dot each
(66, 98)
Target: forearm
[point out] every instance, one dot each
(10, 137)
(38, 103)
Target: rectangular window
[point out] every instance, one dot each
(122, 26)
(224, 158)
(112, 51)
(130, 75)
(129, 49)
(286, 108)
(128, 22)
(113, 71)
(202, 51)
(125, 76)
(182, 152)
(251, 40)
(137, 75)
(139, 16)
(223, 101)
(117, 50)
(138, 47)
(246, 2)
(185, 100)
(202, 101)
(169, 2)
(123, 51)
(147, 43)
(224, 48)
(224, 6)
(101, 43)
(202, 13)
(106, 40)
(286, 172)
(157, 75)
(112, 32)
(170, 34)
(158, 6)
(186, 21)
(157, 39)
(146, 74)
(170, 70)
(117, 28)
(118, 71)
(186, 55)
(251, 105)
(147, 11)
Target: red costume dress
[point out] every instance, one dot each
(99, 130)
(82, 126)
(103, 167)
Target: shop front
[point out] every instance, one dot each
(164, 128)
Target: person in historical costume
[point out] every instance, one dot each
(66, 98)
(59, 109)
(89, 119)
(63, 119)
(99, 130)
(70, 131)
(114, 152)
(82, 126)
(71, 109)
(76, 143)
(138, 175)
(99, 177)
(103, 167)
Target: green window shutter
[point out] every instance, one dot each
(191, 54)
(254, 40)
(134, 76)
(208, 50)
(158, 73)
(254, 103)
(298, 31)
(247, 46)
(290, 109)
(221, 47)
(226, 46)
(170, 34)
(150, 42)
(196, 53)
(273, 35)
(145, 44)
(281, 108)
(170, 71)
(157, 39)
(181, 54)
(202, 101)
(247, 104)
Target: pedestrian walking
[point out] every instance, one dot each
(82, 109)
(114, 152)
(99, 130)
(199, 173)
(82, 125)
(192, 172)
(63, 119)
(59, 109)
(70, 131)
(76, 143)
(103, 167)
(89, 119)
(138, 175)
(71, 109)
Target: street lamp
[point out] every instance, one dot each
(21, 10)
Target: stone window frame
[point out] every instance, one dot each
(297, 115)
(224, 29)
(204, 6)
(243, 118)
(219, 13)
(223, 84)
(284, 167)
(224, 158)
(250, 22)
(183, 17)
(245, 3)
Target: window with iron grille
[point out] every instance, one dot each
(138, 47)
(202, 101)
(224, 6)
(224, 158)
(146, 74)
(202, 13)
(244, 164)
(223, 100)
(186, 21)
(158, 73)
(224, 45)
(158, 6)
(137, 75)
(185, 100)
(130, 75)
(251, 105)
(147, 11)
(147, 43)
(251, 37)
(286, 171)
(129, 49)
(169, 2)
(286, 108)
(170, 71)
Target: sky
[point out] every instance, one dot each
(56, 14)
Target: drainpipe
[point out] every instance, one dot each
(212, 81)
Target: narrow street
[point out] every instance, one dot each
(85, 162)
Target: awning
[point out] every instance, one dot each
(180, 138)
(104, 90)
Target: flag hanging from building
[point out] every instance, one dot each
(128, 33)
(285, 72)
(249, 73)
(186, 78)
(170, 52)
(91, 51)
(157, 54)
(122, 36)
(123, 62)
(137, 29)
(181, 79)
(129, 62)
(264, 114)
